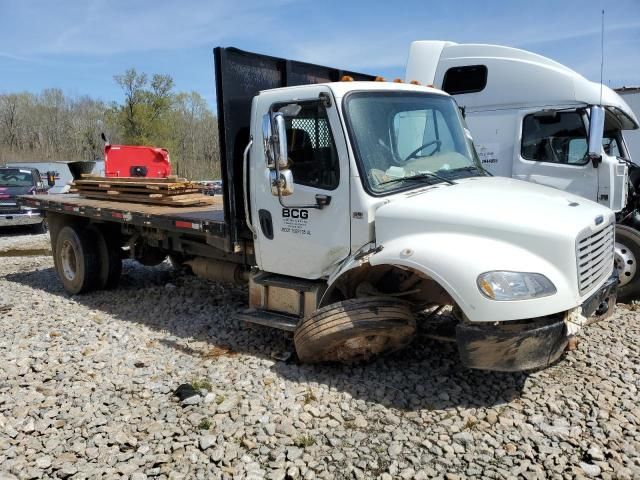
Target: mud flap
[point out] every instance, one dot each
(511, 348)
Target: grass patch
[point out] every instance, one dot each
(309, 397)
(201, 384)
(219, 399)
(205, 424)
(470, 424)
(304, 441)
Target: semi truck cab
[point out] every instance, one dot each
(531, 120)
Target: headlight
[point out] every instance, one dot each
(514, 285)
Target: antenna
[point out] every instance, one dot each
(601, 54)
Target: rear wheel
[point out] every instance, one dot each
(627, 255)
(40, 228)
(110, 257)
(354, 330)
(76, 259)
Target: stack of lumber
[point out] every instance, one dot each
(170, 191)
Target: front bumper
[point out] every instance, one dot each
(530, 344)
(30, 217)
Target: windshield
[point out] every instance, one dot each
(405, 138)
(14, 177)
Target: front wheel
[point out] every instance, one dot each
(627, 255)
(354, 330)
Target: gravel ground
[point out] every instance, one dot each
(17, 240)
(87, 382)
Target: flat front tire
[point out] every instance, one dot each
(354, 330)
(77, 259)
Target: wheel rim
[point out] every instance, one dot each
(625, 262)
(68, 260)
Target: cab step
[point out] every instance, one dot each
(280, 321)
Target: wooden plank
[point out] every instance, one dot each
(171, 179)
(201, 199)
(141, 186)
(104, 188)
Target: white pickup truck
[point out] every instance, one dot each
(352, 208)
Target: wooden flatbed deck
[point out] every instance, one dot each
(206, 219)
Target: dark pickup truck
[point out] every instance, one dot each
(20, 181)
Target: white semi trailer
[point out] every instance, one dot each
(530, 116)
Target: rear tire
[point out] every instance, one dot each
(77, 259)
(354, 330)
(40, 228)
(110, 257)
(627, 256)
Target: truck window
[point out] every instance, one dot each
(559, 138)
(401, 137)
(419, 127)
(312, 152)
(15, 177)
(468, 79)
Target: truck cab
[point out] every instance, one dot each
(358, 189)
(531, 120)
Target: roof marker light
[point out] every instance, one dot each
(379, 79)
(346, 78)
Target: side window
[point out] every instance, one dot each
(313, 157)
(555, 138)
(469, 79)
(611, 147)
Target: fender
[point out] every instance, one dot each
(455, 260)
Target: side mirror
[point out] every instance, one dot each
(274, 140)
(281, 182)
(596, 132)
(51, 178)
(281, 141)
(269, 154)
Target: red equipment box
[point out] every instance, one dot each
(133, 161)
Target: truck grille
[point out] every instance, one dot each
(9, 209)
(594, 252)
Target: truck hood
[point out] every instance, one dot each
(495, 207)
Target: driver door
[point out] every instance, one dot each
(553, 152)
(294, 237)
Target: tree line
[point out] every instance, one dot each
(52, 126)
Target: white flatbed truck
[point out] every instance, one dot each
(349, 222)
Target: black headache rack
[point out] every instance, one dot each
(240, 76)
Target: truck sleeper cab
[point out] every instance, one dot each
(355, 209)
(531, 118)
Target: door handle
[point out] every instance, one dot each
(322, 200)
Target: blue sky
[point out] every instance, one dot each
(79, 45)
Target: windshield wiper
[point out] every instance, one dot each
(471, 168)
(420, 176)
